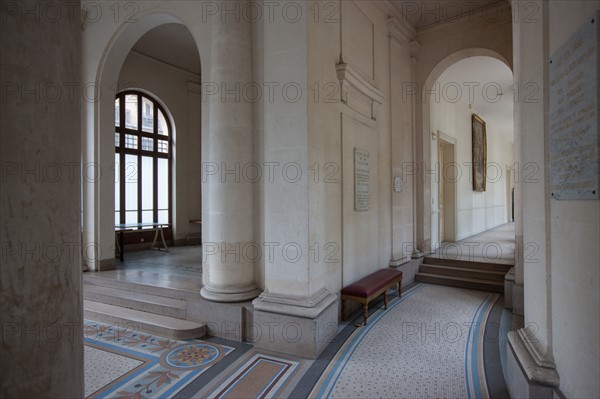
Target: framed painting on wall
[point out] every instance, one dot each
(479, 152)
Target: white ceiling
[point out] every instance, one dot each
(173, 44)
(489, 77)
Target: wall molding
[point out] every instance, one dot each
(357, 90)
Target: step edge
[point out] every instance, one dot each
(86, 307)
(465, 279)
(191, 294)
(466, 269)
(181, 305)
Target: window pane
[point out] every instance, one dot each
(163, 216)
(147, 180)
(131, 111)
(117, 107)
(163, 183)
(162, 124)
(117, 217)
(131, 217)
(147, 144)
(147, 217)
(131, 141)
(163, 146)
(131, 183)
(147, 115)
(117, 139)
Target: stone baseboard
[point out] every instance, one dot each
(286, 331)
(525, 378)
(106, 264)
(223, 320)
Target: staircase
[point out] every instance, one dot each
(474, 275)
(149, 308)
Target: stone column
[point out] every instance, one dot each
(228, 263)
(41, 311)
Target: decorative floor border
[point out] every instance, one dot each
(260, 376)
(168, 365)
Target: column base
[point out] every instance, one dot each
(245, 294)
(295, 329)
(106, 264)
(524, 377)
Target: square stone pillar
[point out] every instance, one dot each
(295, 314)
(41, 311)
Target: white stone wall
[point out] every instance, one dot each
(367, 240)
(574, 228)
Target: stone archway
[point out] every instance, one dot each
(98, 126)
(424, 203)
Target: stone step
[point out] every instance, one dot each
(462, 282)
(168, 287)
(469, 264)
(135, 300)
(491, 275)
(143, 322)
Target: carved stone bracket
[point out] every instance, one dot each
(357, 90)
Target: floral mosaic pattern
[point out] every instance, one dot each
(191, 356)
(169, 365)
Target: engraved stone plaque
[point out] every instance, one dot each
(397, 184)
(362, 175)
(574, 113)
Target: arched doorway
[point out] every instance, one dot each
(426, 238)
(103, 63)
(475, 91)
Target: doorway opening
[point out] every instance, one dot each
(449, 175)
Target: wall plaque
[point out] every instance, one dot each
(397, 184)
(574, 113)
(362, 175)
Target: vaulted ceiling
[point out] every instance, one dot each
(173, 44)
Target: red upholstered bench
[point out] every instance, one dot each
(370, 287)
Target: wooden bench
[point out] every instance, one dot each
(370, 287)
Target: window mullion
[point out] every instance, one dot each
(139, 158)
(155, 163)
(122, 160)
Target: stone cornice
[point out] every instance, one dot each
(355, 83)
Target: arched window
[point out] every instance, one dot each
(143, 148)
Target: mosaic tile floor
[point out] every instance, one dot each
(123, 363)
(429, 343)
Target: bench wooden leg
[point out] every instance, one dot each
(399, 288)
(385, 300)
(366, 312)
